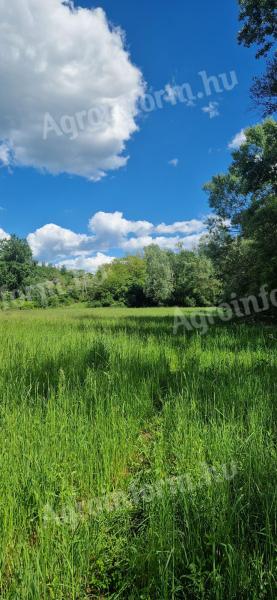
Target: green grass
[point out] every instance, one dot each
(135, 463)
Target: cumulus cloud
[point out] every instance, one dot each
(52, 242)
(136, 244)
(186, 227)
(167, 243)
(109, 232)
(113, 228)
(59, 64)
(170, 243)
(211, 109)
(237, 140)
(110, 229)
(87, 263)
(4, 235)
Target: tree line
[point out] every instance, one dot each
(26, 284)
(154, 278)
(237, 255)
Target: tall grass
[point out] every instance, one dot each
(135, 463)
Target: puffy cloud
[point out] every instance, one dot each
(87, 263)
(211, 109)
(66, 70)
(136, 244)
(52, 242)
(4, 235)
(187, 227)
(112, 228)
(109, 231)
(237, 140)
(167, 243)
(170, 243)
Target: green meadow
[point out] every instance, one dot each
(136, 463)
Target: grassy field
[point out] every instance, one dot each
(135, 463)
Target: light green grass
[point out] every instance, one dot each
(103, 413)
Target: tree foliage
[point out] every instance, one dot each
(158, 286)
(120, 282)
(264, 89)
(194, 277)
(259, 20)
(244, 249)
(251, 177)
(16, 263)
(159, 277)
(259, 24)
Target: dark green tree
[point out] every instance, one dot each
(16, 263)
(216, 243)
(245, 252)
(260, 28)
(120, 282)
(252, 176)
(158, 286)
(195, 281)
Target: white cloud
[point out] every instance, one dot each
(111, 228)
(211, 109)
(174, 162)
(170, 243)
(4, 235)
(167, 243)
(187, 227)
(63, 61)
(52, 242)
(109, 231)
(237, 140)
(136, 244)
(87, 263)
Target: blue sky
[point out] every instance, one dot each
(170, 43)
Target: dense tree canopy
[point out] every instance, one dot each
(252, 176)
(120, 282)
(194, 279)
(259, 20)
(16, 263)
(244, 248)
(259, 24)
(159, 276)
